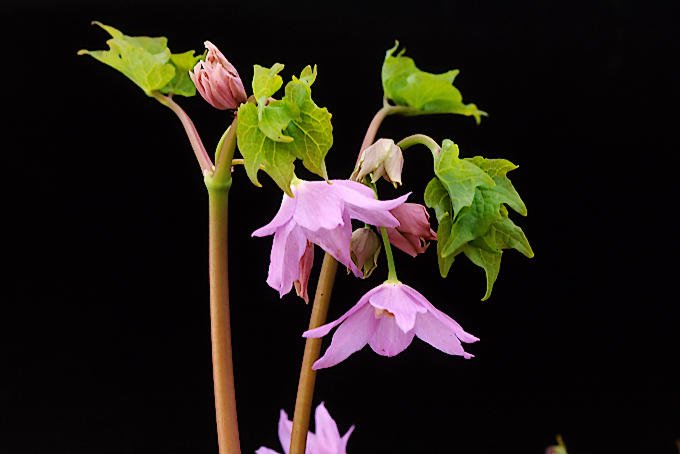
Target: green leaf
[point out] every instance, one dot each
(272, 136)
(497, 169)
(474, 221)
(266, 82)
(482, 229)
(144, 60)
(459, 176)
(426, 93)
(258, 150)
(182, 84)
(437, 197)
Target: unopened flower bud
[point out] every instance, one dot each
(306, 263)
(217, 80)
(414, 229)
(364, 250)
(382, 159)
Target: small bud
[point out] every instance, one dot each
(306, 262)
(364, 250)
(218, 81)
(382, 159)
(414, 229)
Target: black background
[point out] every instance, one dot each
(105, 329)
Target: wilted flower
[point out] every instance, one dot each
(414, 229)
(217, 80)
(365, 249)
(320, 213)
(326, 440)
(382, 159)
(387, 318)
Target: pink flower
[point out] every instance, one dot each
(382, 159)
(387, 318)
(326, 440)
(414, 229)
(218, 81)
(320, 213)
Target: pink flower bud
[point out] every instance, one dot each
(414, 229)
(382, 159)
(217, 80)
(365, 249)
(306, 263)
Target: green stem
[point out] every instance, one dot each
(420, 139)
(220, 326)
(391, 269)
(218, 185)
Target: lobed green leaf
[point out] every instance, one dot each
(146, 61)
(480, 229)
(425, 93)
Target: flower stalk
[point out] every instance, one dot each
(305, 391)
(324, 288)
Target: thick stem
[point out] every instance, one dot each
(220, 327)
(305, 392)
(196, 144)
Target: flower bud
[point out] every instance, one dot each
(306, 263)
(414, 229)
(217, 80)
(364, 250)
(382, 159)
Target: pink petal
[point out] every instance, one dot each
(436, 333)
(325, 428)
(388, 339)
(414, 218)
(351, 336)
(284, 261)
(442, 317)
(345, 439)
(404, 243)
(368, 210)
(284, 215)
(264, 450)
(325, 329)
(392, 298)
(285, 429)
(318, 206)
(337, 242)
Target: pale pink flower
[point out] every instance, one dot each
(382, 159)
(387, 318)
(320, 213)
(326, 440)
(365, 249)
(414, 229)
(217, 80)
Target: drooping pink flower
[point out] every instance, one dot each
(382, 159)
(414, 229)
(387, 318)
(217, 80)
(326, 440)
(320, 213)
